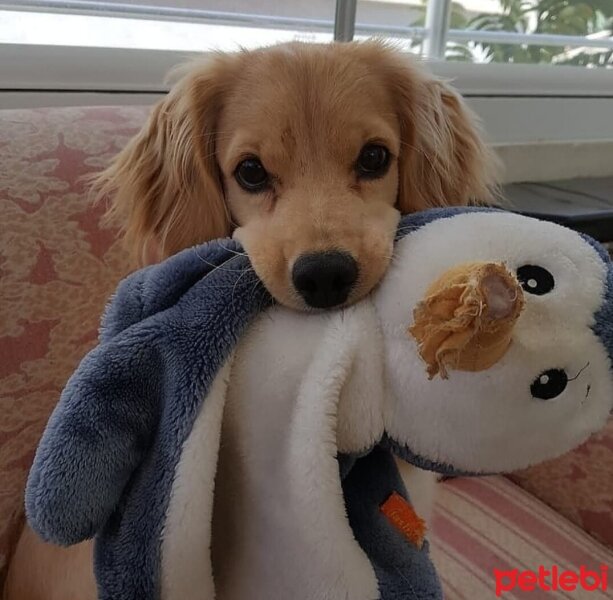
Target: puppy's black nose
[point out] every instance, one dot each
(324, 279)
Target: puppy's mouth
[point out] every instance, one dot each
(325, 280)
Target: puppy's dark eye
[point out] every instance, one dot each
(535, 280)
(549, 384)
(372, 161)
(251, 175)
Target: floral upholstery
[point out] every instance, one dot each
(579, 485)
(58, 264)
(57, 267)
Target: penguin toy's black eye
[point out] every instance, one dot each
(535, 280)
(549, 384)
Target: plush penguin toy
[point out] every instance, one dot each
(221, 447)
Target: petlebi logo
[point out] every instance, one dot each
(552, 579)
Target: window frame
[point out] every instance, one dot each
(34, 67)
(435, 32)
(521, 105)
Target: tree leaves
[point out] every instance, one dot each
(554, 17)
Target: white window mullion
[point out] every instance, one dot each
(344, 21)
(437, 27)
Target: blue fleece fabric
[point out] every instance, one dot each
(107, 459)
(403, 572)
(106, 462)
(603, 319)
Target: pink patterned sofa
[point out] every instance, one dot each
(58, 264)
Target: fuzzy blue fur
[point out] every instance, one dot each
(106, 463)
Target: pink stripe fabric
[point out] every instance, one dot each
(536, 528)
(484, 524)
(561, 526)
(541, 510)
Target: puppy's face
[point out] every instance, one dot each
(310, 171)
(307, 154)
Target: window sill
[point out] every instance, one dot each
(545, 122)
(548, 161)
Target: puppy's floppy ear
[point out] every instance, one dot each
(165, 186)
(443, 159)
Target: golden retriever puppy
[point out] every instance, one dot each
(307, 154)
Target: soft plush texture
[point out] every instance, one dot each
(182, 322)
(556, 330)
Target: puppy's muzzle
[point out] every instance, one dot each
(325, 279)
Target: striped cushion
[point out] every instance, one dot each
(490, 523)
